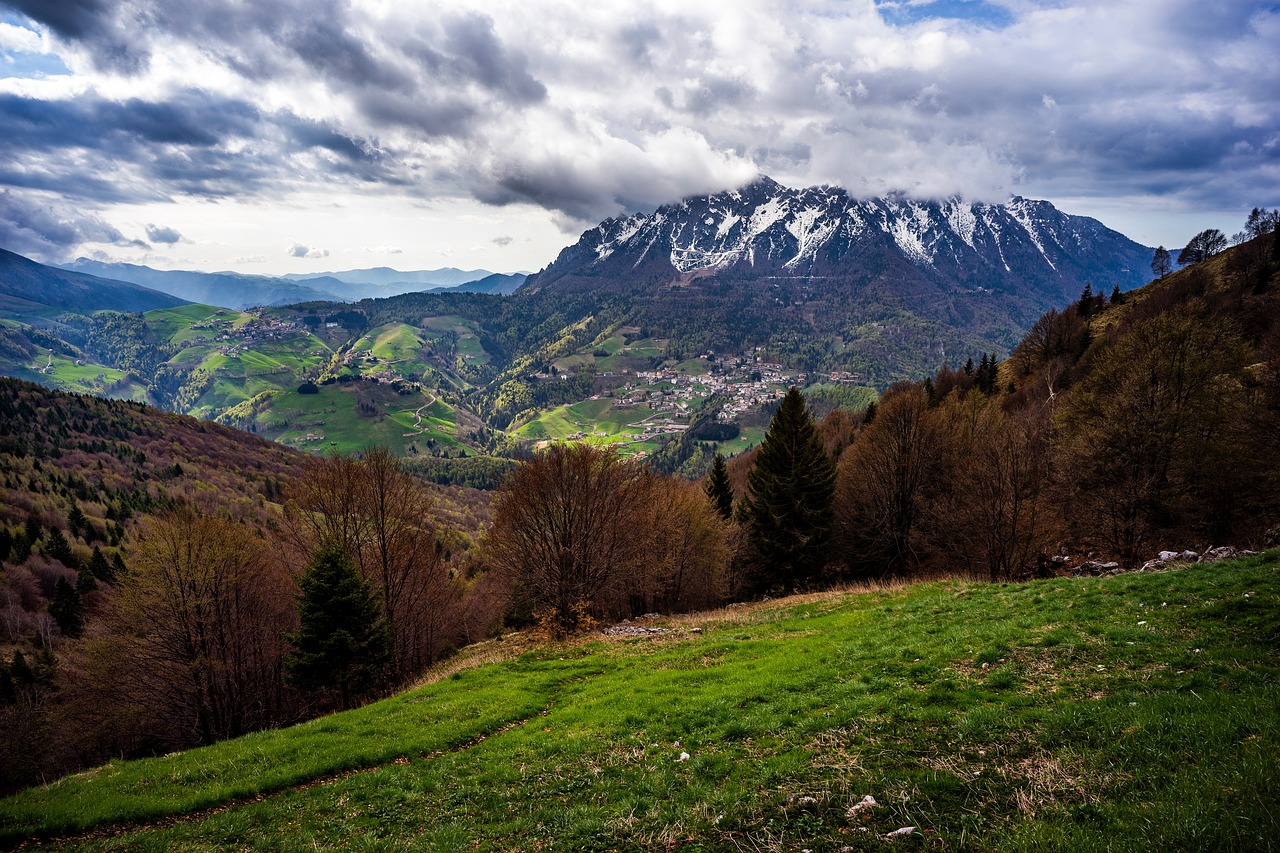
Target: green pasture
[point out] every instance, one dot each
(1129, 713)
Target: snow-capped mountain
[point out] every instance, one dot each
(822, 233)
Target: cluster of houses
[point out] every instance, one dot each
(230, 341)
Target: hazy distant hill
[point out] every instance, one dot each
(500, 283)
(224, 289)
(378, 282)
(37, 285)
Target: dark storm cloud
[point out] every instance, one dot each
(71, 18)
(91, 22)
(47, 227)
(190, 144)
(478, 55)
(189, 118)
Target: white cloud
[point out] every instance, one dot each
(20, 39)
(587, 109)
(298, 250)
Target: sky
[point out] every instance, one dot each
(275, 136)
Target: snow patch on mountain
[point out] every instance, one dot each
(1018, 209)
(812, 228)
(961, 219)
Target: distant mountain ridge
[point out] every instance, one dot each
(767, 230)
(240, 290)
(65, 290)
(383, 276)
(224, 289)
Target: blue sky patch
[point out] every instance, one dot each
(902, 12)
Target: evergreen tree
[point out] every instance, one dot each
(343, 640)
(99, 567)
(33, 529)
(1117, 298)
(85, 581)
(718, 488)
(58, 548)
(65, 609)
(1085, 305)
(8, 691)
(21, 670)
(788, 505)
(6, 543)
(76, 521)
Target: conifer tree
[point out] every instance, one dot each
(99, 567)
(58, 548)
(718, 488)
(788, 506)
(343, 640)
(65, 609)
(21, 670)
(85, 581)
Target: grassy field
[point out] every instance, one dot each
(331, 420)
(69, 374)
(599, 421)
(1136, 712)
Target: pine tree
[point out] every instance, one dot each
(58, 548)
(21, 670)
(85, 581)
(869, 413)
(99, 567)
(788, 506)
(65, 608)
(1117, 298)
(718, 488)
(76, 521)
(343, 640)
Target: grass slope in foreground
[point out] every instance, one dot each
(1136, 712)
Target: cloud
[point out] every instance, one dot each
(48, 228)
(502, 241)
(298, 250)
(587, 112)
(163, 234)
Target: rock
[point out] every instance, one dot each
(1188, 556)
(866, 804)
(1167, 556)
(632, 631)
(900, 833)
(684, 756)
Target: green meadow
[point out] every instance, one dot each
(332, 420)
(1136, 712)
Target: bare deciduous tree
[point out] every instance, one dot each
(564, 527)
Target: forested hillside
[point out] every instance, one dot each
(148, 568)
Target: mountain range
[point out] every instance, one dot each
(654, 317)
(238, 290)
(822, 234)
